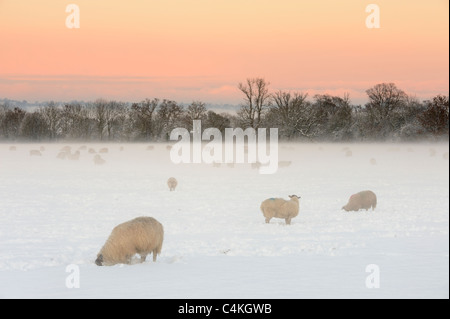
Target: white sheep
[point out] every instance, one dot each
(142, 235)
(172, 183)
(35, 153)
(284, 163)
(281, 208)
(98, 160)
(75, 156)
(103, 150)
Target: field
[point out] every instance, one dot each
(55, 215)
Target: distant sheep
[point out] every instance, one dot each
(373, 161)
(35, 153)
(12, 148)
(142, 235)
(98, 160)
(361, 200)
(103, 150)
(172, 183)
(91, 151)
(284, 163)
(75, 156)
(62, 155)
(280, 208)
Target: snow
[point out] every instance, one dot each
(57, 213)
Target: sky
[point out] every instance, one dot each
(188, 50)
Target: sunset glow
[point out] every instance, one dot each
(201, 49)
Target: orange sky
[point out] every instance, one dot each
(200, 49)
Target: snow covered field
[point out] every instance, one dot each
(55, 215)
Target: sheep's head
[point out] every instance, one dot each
(99, 260)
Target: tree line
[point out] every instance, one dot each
(389, 114)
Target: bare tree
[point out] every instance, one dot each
(256, 100)
(142, 117)
(195, 111)
(435, 119)
(51, 114)
(384, 100)
(294, 116)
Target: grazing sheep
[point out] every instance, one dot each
(256, 165)
(75, 156)
(103, 150)
(284, 163)
(280, 208)
(62, 155)
(361, 200)
(35, 153)
(91, 151)
(373, 161)
(172, 183)
(142, 235)
(98, 160)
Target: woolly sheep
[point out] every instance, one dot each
(98, 160)
(75, 156)
(284, 163)
(35, 153)
(142, 235)
(103, 150)
(172, 183)
(280, 208)
(361, 200)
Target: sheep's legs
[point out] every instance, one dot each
(288, 221)
(267, 220)
(143, 258)
(154, 255)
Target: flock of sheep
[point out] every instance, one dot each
(145, 235)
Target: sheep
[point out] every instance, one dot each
(98, 160)
(142, 235)
(35, 153)
(280, 208)
(62, 155)
(284, 163)
(103, 150)
(373, 161)
(172, 183)
(361, 200)
(75, 156)
(12, 148)
(150, 148)
(91, 151)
